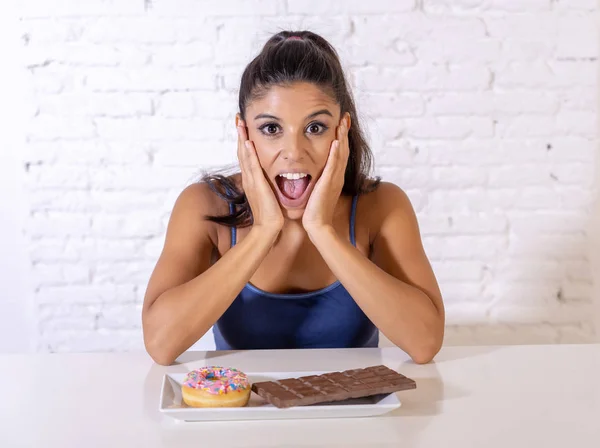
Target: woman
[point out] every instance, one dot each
(301, 249)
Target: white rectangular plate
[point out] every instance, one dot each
(171, 403)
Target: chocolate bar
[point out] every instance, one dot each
(334, 386)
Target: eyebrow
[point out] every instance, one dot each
(314, 114)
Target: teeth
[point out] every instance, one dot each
(293, 176)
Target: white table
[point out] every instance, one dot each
(513, 396)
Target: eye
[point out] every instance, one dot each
(314, 128)
(269, 129)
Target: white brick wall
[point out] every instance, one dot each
(485, 112)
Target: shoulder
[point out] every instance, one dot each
(193, 204)
(388, 202)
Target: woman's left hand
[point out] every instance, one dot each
(326, 193)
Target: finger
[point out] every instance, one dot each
(247, 176)
(331, 159)
(240, 151)
(252, 159)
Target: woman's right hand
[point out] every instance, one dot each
(266, 210)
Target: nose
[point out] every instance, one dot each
(293, 148)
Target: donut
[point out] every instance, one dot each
(215, 387)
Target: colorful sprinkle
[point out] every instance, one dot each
(217, 380)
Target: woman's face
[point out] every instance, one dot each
(292, 129)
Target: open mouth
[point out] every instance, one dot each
(293, 188)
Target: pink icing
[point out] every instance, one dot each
(217, 380)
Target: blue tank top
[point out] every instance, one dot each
(326, 318)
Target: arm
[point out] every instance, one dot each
(185, 295)
(396, 288)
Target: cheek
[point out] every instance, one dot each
(322, 153)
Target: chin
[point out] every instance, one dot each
(293, 214)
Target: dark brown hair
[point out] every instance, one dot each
(306, 57)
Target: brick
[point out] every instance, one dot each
(537, 198)
(464, 247)
(104, 249)
(465, 103)
(115, 178)
(458, 271)
(391, 105)
(125, 200)
(526, 49)
(390, 53)
(96, 104)
(556, 314)
(526, 126)
(126, 272)
(459, 50)
(56, 176)
(578, 292)
(471, 200)
(425, 78)
(58, 224)
(583, 5)
(578, 271)
(571, 247)
(415, 28)
(455, 292)
(577, 36)
(188, 55)
(149, 79)
(159, 129)
(459, 177)
(47, 127)
(101, 340)
(449, 127)
(73, 54)
(537, 27)
(82, 153)
(514, 270)
(196, 154)
(574, 197)
(577, 123)
(120, 317)
(175, 104)
(85, 294)
(517, 6)
(467, 313)
(529, 75)
(557, 222)
(570, 72)
(74, 8)
(523, 174)
(45, 274)
(456, 7)
(406, 177)
(201, 8)
(139, 30)
(581, 174)
(311, 7)
(401, 152)
(57, 317)
(54, 31)
(578, 98)
(132, 224)
(462, 224)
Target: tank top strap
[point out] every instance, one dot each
(233, 228)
